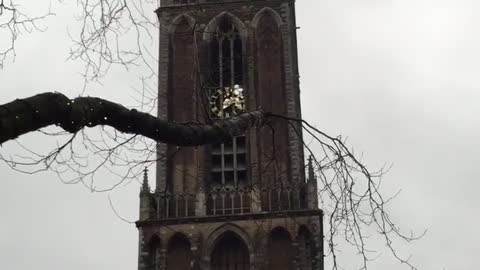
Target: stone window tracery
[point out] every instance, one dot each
(226, 99)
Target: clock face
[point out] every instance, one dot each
(227, 102)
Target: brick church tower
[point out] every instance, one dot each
(249, 203)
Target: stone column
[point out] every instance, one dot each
(162, 257)
(256, 203)
(163, 76)
(260, 252)
(142, 253)
(196, 257)
(312, 186)
(318, 254)
(292, 92)
(296, 257)
(200, 203)
(205, 263)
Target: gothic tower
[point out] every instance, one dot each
(249, 203)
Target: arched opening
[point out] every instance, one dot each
(182, 46)
(280, 250)
(230, 253)
(181, 105)
(307, 249)
(179, 253)
(273, 152)
(153, 259)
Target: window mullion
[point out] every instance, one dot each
(235, 176)
(232, 83)
(232, 62)
(222, 154)
(220, 62)
(222, 146)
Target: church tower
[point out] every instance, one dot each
(249, 203)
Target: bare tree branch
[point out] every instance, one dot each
(25, 115)
(14, 22)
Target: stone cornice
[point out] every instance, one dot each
(229, 218)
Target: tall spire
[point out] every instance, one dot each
(311, 171)
(145, 186)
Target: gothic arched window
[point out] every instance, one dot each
(181, 105)
(230, 253)
(226, 61)
(307, 249)
(179, 254)
(153, 260)
(271, 97)
(280, 250)
(226, 99)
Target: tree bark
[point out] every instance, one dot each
(25, 115)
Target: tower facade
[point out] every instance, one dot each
(251, 202)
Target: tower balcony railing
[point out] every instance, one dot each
(190, 2)
(230, 201)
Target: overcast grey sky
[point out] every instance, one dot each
(399, 78)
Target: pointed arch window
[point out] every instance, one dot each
(179, 254)
(307, 249)
(274, 153)
(154, 253)
(230, 253)
(226, 99)
(280, 254)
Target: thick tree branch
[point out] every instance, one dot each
(25, 115)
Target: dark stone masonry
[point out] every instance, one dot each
(250, 203)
